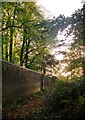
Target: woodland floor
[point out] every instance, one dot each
(30, 109)
(63, 103)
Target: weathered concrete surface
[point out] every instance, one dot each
(18, 81)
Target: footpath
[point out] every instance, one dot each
(29, 109)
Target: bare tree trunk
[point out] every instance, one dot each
(6, 47)
(11, 44)
(2, 47)
(43, 74)
(22, 51)
(2, 42)
(26, 55)
(11, 38)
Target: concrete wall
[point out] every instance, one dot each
(18, 82)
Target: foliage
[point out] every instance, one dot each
(23, 37)
(65, 101)
(26, 34)
(75, 57)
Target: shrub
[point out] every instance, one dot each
(64, 101)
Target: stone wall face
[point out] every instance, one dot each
(19, 82)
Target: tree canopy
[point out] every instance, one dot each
(27, 36)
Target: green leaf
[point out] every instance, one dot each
(81, 99)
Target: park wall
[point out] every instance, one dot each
(20, 82)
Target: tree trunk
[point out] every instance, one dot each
(42, 82)
(43, 74)
(2, 46)
(6, 47)
(11, 44)
(26, 55)
(22, 51)
(11, 38)
(2, 42)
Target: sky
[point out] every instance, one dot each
(56, 7)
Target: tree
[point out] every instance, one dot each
(19, 27)
(83, 35)
(26, 34)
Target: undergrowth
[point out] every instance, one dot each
(65, 101)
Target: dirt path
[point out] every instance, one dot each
(29, 110)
